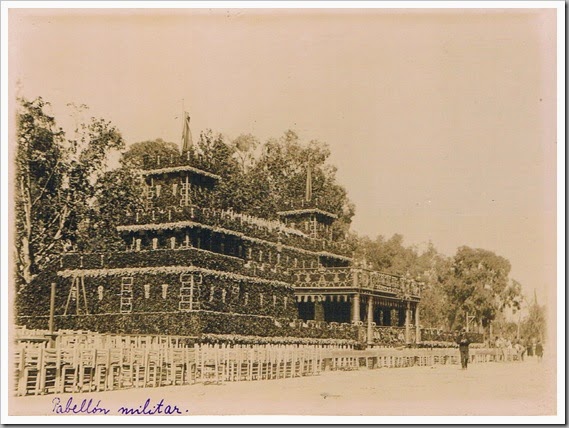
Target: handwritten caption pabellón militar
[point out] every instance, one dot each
(88, 406)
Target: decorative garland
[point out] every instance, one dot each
(308, 211)
(334, 256)
(68, 273)
(260, 340)
(181, 168)
(197, 311)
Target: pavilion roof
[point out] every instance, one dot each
(180, 168)
(307, 211)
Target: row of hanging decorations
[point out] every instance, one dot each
(194, 282)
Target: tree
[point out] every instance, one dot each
(534, 325)
(150, 153)
(118, 194)
(55, 184)
(432, 270)
(280, 176)
(434, 308)
(476, 280)
(244, 148)
(391, 256)
(511, 297)
(213, 154)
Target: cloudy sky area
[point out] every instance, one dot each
(442, 123)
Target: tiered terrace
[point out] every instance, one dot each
(189, 269)
(228, 222)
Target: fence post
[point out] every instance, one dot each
(51, 316)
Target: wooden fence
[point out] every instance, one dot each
(85, 362)
(42, 370)
(393, 358)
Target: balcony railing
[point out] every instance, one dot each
(357, 278)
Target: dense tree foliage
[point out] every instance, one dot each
(117, 193)
(283, 166)
(476, 281)
(533, 325)
(150, 152)
(55, 183)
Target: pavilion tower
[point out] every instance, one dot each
(309, 218)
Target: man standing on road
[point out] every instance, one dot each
(539, 350)
(463, 343)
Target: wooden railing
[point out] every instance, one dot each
(356, 278)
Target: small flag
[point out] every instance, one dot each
(186, 134)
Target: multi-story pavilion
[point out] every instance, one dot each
(187, 268)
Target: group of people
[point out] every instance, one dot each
(530, 347)
(506, 346)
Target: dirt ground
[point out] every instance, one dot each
(516, 388)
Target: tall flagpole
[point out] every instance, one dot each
(308, 196)
(183, 123)
(187, 134)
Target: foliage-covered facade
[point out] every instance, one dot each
(188, 268)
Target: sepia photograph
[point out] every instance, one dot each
(283, 212)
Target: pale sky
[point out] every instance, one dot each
(442, 123)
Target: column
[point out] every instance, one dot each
(417, 325)
(318, 310)
(407, 324)
(354, 278)
(369, 320)
(355, 307)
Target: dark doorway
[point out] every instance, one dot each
(306, 310)
(337, 311)
(378, 316)
(386, 316)
(401, 317)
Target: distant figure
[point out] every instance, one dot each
(463, 343)
(520, 350)
(539, 350)
(501, 346)
(529, 347)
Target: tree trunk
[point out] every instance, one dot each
(26, 262)
(26, 253)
